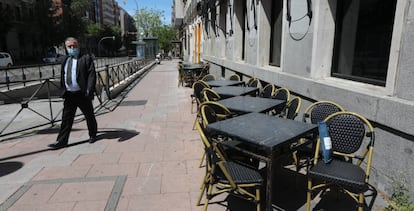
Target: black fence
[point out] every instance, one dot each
(32, 99)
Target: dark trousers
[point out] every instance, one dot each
(71, 102)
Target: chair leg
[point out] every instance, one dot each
(202, 160)
(203, 188)
(209, 191)
(195, 122)
(309, 195)
(258, 199)
(361, 202)
(192, 106)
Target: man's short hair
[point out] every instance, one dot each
(71, 39)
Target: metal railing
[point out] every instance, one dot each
(37, 102)
(17, 76)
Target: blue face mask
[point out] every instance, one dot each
(73, 51)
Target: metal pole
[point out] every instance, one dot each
(99, 43)
(137, 14)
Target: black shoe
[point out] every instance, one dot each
(92, 139)
(57, 145)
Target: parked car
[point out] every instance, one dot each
(5, 60)
(52, 58)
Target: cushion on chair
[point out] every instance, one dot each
(340, 172)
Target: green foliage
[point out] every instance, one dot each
(93, 30)
(79, 6)
(400, 199)
(166, 34)
(73, 22)
(148, 19)
(110, 44)
(150, 24)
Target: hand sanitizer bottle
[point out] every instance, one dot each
(326, 143)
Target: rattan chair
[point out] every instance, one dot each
(210, 95)
(313, 114)
(209, 77)
(268, 91)
(225, 176)
(210, 112)
(234, 77)
(352, 138)
(282, 94)
(254, 82)
(213, 112)
(292, 108)
(319, 110)
(184, 77)
(250, 81)
(197, 97)
(181, 74)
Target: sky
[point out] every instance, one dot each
(164, 5)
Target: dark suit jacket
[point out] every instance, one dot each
(85, 75)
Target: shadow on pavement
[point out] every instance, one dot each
(120, 134)
(25, 154)
(53, 130)
(9, 167)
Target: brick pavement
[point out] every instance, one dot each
(146, 158)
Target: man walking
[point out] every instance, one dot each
(77, 81)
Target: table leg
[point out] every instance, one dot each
(269, 184)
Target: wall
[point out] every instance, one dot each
(306, 67)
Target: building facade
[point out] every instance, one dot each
(356, 53)
(24, 46)
(109, 13)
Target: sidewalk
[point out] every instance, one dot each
(146, 158)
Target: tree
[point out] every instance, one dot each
(166, 34)
(112, 45)
(149, 22)
(43, 24)
(73, 21)
(93, 32)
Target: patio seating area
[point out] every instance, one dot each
(147, 157)
(262, 130)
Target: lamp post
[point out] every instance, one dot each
(137, 14)
(99, 43)
(140, 44)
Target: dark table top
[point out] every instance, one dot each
(247, 104)
(193, 66)
(263, 131)
(231, 91)
(218, 83)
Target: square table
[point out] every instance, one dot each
(268, 134)
(231, 91)
(192, 70)
(247, 104)
(218, 83)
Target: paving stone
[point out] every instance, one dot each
(83, 191)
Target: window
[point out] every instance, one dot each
(276, 33)
(362, 45)
(17, 14)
